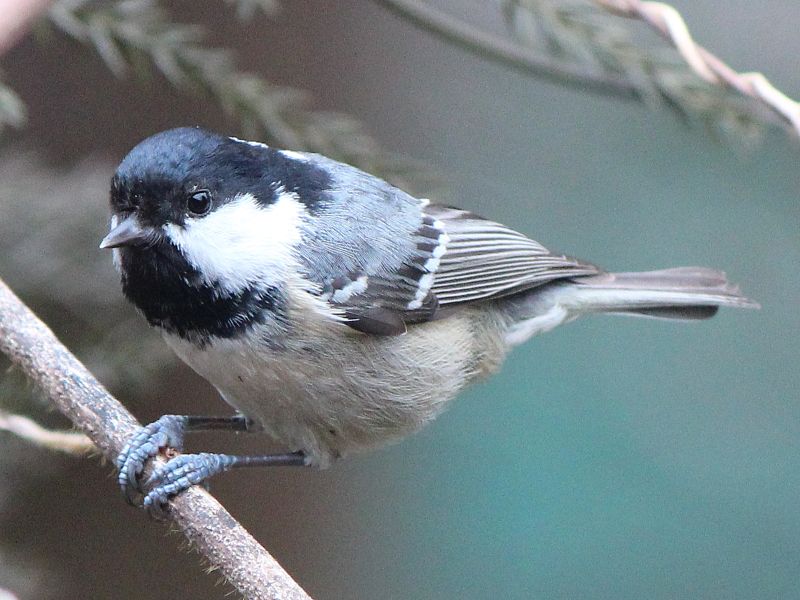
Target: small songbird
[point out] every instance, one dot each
(334, 311)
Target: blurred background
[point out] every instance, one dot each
(613, 458)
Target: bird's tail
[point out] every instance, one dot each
(686, 293)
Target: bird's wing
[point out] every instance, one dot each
(486, 260)
(386, 283)
(384, 270)
(452, 258)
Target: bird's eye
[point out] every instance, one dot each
(199, 203)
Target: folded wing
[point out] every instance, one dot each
(485, 260)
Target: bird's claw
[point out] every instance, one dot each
(166, 432)
(179, 474)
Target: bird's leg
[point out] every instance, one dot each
(186, 470)
(166, 432)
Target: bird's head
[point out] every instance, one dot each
(195, 214)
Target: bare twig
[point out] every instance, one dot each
(668, 22)
(129, 35)
(70, 442)
(6, 595)
(16, 17)
(573, 45)
(12, 109)
(77, 394)
(510, 53)
(246, 9)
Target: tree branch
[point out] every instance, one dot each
(608, 63)
(70, 442)
(16, 17)
(510, 53)
(669, 23)
(227, 546)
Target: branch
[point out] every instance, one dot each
(80, 397)
(129, 35)
(667, 21)
(511, 54)
(6, 595)
(16, 17)
(70, 442)
(12, 109)
(580, 44)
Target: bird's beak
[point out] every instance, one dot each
(127, 233)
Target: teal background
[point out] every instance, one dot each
(612, 458)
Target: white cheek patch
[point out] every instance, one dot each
(242, 243)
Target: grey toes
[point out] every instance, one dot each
(179, 474)
(166, 432)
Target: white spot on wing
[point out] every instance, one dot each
(431, 264)
(358, 286)
(304, 297)
(430, 267)
(425, 283)
(242, 243)
(441, 246)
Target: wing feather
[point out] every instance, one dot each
(384, 273)
(454, 258)
(485, 260)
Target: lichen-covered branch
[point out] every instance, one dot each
(227, 546)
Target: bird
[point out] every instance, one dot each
(333, 311)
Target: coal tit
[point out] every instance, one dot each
(334, 311)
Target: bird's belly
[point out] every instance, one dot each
(336, 394)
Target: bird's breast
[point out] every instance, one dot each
(330, 390)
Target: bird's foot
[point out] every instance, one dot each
(166, 432)
(179, 474)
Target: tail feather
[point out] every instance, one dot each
(687, 293)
